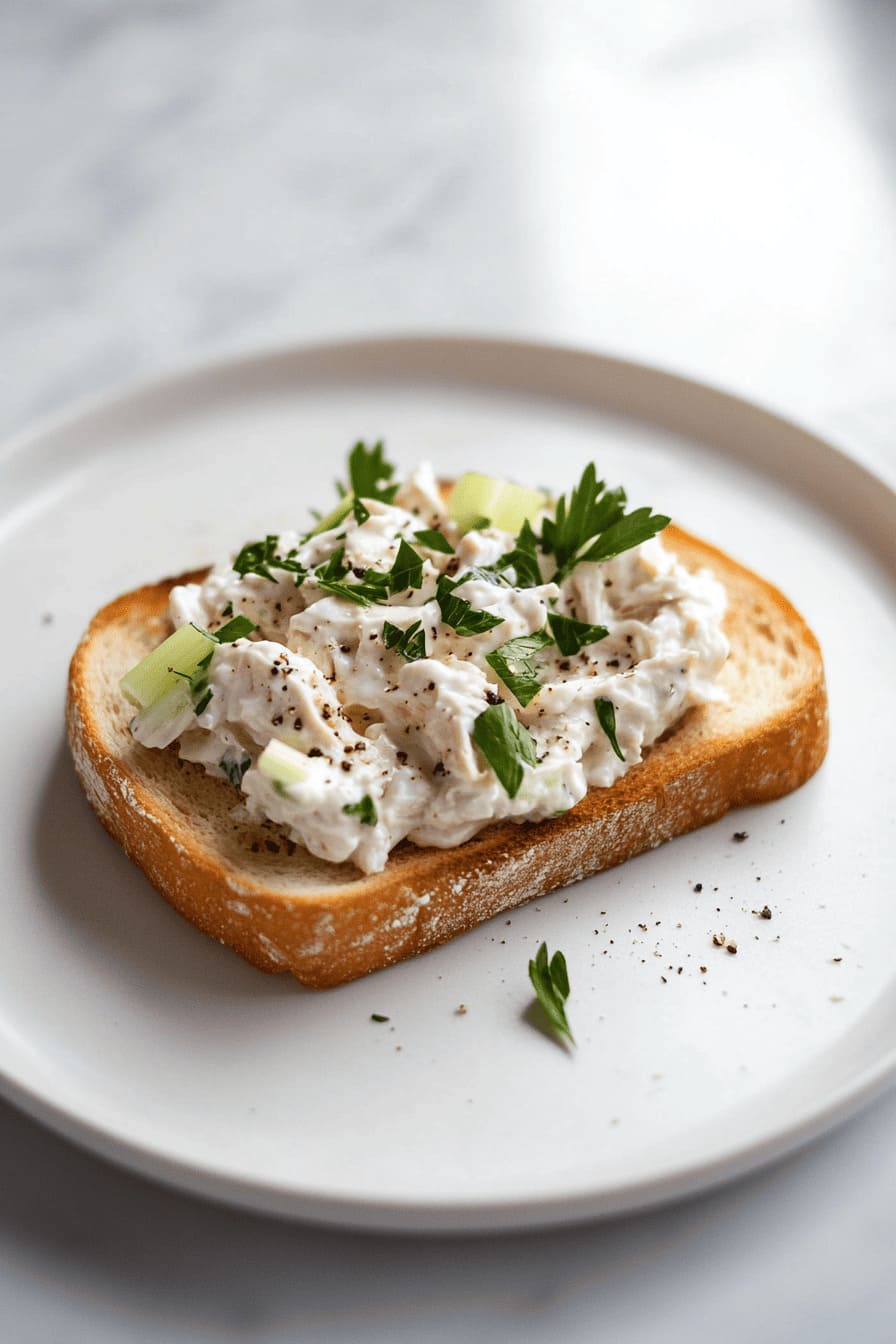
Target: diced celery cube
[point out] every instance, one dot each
(177, 658)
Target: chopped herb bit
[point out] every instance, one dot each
(505, 744)
(523, 559)
(434, 540)
(551, 984)
(334, 567)
(238, 628)
(407, 570)
(410, 643)
(514, 666)
(378, 1017)
(365, 811)
(606, 717)
(571, 635)
(369, 473)
(228, 610)
(373, 588)
(203, 702)
(260, 557)
(235, 769)
(361, 512)
(459, 614)
(629, 531)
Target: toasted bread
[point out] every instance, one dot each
(282, 909)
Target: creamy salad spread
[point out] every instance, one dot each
(412, 677)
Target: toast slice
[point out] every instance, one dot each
(282, 909)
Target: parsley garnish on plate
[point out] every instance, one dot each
(410, 643)
(513, 663)
(571, 635)
(365, 811)
(551, 984)
(606, 717)
(505, 744)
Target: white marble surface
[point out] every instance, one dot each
(704, 186)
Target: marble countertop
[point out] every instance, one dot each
(706, 187)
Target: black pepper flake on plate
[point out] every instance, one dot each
(698, 886)
(740, 836)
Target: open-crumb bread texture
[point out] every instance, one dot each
(284, 910)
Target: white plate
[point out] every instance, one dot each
(130, 1032)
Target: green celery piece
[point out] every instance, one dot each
(508, 505)
(281, 764)
(157, 673)
(159, 723)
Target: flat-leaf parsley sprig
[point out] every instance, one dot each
(550, 981)
(593, 525)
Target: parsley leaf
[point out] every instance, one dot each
(365, 811)
(260, 557)
(369, 473)
(235, 769)
(459, 614)
(203, 702)
(434, 540)
(374, 587)
(626, 532)
(606, 717)
(550, 981)
(410, 643)
(238, 628)
(360, 511)
(572, 635)
(407, 570)
(513, 664)
(523, 559)
(505, 744)
(597, 515)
